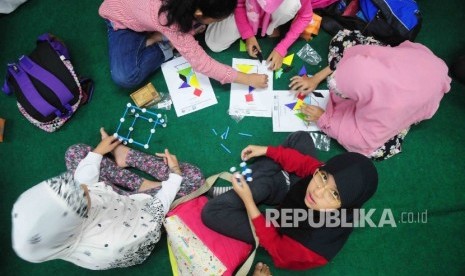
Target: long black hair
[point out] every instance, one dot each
(181, 12)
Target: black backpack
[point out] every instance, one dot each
(47, 89)
(389, 21)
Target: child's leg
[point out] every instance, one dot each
(226, 213)
(109, 171)
(153, 165)
(220, 35)
(283, 14)
(131, 61)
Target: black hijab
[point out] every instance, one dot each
(356, 180)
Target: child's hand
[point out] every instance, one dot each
(253, 151)
(171, 161)
(274, 61)
(312, 112)
(258, 80)
(305, 85)
(241, 187)
(249, 44)
(107, 144)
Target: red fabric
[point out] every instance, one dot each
(285, 252)
(293, 161)
(230, 252)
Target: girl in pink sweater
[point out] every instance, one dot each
(267, 15)
(377, 92)
(142, 34)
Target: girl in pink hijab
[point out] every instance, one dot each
(377, 92)
(251, 16)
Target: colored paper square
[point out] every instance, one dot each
(197, 92)
(249, 98)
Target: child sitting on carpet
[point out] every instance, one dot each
(289, 176)
(89, 166)
(86, 222)
(142, 34)
(268, 15)
(377, 92)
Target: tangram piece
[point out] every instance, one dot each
(154, 119)
(187, 72)
(184, 85)
(290, 105)
(300, 115)
(189, 78)
(278, 73)
(288, 60)
(249, 97)
(287, 69)
(298, 104)
(251, 88)
(197, 92)
(300, 96)
(317, 94)
(245, 68)
(242, 47)
(303, 71)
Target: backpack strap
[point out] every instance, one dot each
(209, 182)
(56, 44)
(29, 91)
(49, 80)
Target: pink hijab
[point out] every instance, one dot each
(389, 89)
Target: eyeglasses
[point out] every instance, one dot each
(330, 194)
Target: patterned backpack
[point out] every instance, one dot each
(47, 89)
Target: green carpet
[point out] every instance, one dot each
(427, 176)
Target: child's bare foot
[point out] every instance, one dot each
(153, 38)
(276, 33)
(148, 184)
(261, 269)
(119, 153)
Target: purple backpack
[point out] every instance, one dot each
(47, 89)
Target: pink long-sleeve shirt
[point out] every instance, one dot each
(301, 21)
(142, 16)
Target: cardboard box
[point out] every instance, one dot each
(2, 127)
(146, 96)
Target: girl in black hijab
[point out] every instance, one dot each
(291, 178)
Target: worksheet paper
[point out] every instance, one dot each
(246, 100)
(286, 110)
(190, 91)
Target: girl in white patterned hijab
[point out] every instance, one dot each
(90, 225)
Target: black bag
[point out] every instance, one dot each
(47, 89)
(386, 20)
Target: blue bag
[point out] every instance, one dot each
(403, 18)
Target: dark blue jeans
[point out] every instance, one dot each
(226, 213)
(131, 62)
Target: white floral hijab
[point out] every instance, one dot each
(51, 221)
(47, 219)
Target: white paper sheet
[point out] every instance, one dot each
(262, 102)
(284, 118)
(189, 95)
